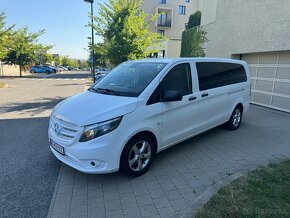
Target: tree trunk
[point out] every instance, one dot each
(20, 68)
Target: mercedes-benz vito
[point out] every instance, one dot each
(143, 107)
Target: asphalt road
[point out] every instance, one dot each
(28, 170)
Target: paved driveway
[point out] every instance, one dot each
(28, 170)
(179, 175)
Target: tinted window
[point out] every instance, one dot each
(177, 79)
(213, 74)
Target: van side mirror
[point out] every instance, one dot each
(171, 95)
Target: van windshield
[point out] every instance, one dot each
(128, 79)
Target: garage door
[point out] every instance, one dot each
(270, 79)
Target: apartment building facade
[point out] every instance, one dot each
(171, 22)
(257, 32)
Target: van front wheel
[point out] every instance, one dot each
(235, 119)
(137, 155)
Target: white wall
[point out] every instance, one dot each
(246, 26)
(208, 11)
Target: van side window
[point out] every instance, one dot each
(177, 79)
(216, 74)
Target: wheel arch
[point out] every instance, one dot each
(240, 105)
(143, 132)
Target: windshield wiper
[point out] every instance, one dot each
(92, 89)
(107, 91)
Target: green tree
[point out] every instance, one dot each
(66, 61)
(192, 42)
(194, 20)
(125, 30)
(44, 58)
(24, 48)
(58, 60)
(5, 37)
(100, 54)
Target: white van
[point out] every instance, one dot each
(143, 107)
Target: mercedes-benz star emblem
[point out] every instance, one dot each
(57, 129)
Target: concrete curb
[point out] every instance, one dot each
(202, 199)
(87, 85)
(51, 206)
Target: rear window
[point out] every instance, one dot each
(216, 74)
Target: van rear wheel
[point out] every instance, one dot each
(137, 155)
(235, 119)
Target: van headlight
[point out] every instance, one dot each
(99, 129)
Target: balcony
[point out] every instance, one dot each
(164, 24)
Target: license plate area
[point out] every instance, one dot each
(57, 147)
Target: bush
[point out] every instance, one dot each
(192, 42)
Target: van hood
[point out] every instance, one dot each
(89, 108)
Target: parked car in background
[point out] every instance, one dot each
(55, 69)
(98, 77)
(102, 71)
(143, 107)
(41, 69)
(71, 68)
(62, 68)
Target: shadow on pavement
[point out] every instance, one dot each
(28, 171)
(35, 107)
(70, 84)
(76, 75)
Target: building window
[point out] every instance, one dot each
(162, 19)
(181, 9)
(162, 1)
(187, 1)
(161, 32)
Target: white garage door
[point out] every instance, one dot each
(270, 79)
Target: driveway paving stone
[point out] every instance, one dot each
(178, 175)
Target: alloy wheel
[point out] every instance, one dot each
(139, 156)
(236, 117)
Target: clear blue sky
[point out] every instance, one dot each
(63, 20)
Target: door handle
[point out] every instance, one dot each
(204, 95)
(192, 98)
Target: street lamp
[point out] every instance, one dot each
(93, 43)
(91, 54)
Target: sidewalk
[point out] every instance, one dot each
(179, 175)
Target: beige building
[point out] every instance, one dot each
(257, 32)
(171, 23)
(9, 70)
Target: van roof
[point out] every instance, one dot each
(173, 60)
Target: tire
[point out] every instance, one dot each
(235, 119)
(32, 71)
(47, 72)
(140, 161)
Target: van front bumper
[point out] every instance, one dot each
(98, 156)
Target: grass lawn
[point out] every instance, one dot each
(2, 85)
(262, 193)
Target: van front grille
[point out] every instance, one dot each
(62, 130)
